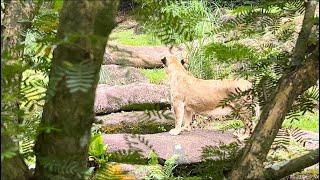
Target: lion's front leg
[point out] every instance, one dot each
(178, 109)
(187, 120)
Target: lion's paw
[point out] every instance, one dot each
(186, 128)
(174, 132)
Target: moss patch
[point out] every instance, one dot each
(142, 127)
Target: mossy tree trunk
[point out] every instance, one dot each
(304, 74)
(15, 20)
(62, 147)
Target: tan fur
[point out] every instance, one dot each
(192, 95)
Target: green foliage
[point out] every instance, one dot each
(304, 103)
(141, 127)
(24, 81)
(153, 158)
(175, 22)
(130, 156)
(10, 153)
(309, 121)
(228, 124)
(128, 37)
(155, 76)
(98, 149)
(68, 167)
(166, 172)
(202, 66)
(216, 160)
(80, 77)
(134, 154)
(111, 171)
(287, 136)
(169, 166)
(26, 147)
(104, 76)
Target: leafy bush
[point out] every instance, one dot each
(166, 172)
(98, 149)
(176, 22)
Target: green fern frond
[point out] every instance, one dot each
(26, 147)
(235, 124)
(113, 172)
(176, 21)
(128, 156)
(222, 151)
(8, 154)
(62, 166)
(79, 77)
(286, 136)
(304, 103)
(103, 76)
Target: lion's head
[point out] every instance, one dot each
(172, 64)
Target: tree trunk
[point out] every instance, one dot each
(84, 27)
(12, 167)
(290, 86)
(12, 29)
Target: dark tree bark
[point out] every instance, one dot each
(290, 86)
(84, 27)
(302, 41)
(12, 29)
(13, 167)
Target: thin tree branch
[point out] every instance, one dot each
(301, 44)
(294, 165)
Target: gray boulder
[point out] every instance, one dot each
(135, 96)
(120, 75)
(188, 145)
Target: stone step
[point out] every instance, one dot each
(120, 75)
(139, 56)
(188, 144)
(312, 139)
(136, 122)
(131, 97)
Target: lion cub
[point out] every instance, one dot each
(192, 95)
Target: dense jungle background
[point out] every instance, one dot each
(84, 94)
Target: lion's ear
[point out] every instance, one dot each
(164, 61)
(183, 62)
